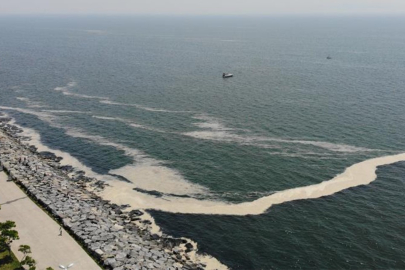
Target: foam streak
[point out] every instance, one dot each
(362, 173)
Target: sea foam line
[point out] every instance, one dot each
(45, 117)
(213, 129)
(35, 139)
(146, 173)
(362, 173)
(223, 135)
(30, 103)
(66, 92)
(109, 102)
(128, 122)
(106, 100)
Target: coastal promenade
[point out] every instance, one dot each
(39, 231)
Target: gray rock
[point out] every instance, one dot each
(134, 253)
(90, 229)
(121, 256)
(105, 229)
(117, 227)
(111, 262)
(108, 248)
(136, 247)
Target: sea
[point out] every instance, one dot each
(296, 162)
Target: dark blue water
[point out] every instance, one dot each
(356, 229)
(147, 91)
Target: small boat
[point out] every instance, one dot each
(227, 75)
(329, 57)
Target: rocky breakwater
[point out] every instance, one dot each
(111, 235)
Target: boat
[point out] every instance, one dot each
(329, 57)
(227, 75)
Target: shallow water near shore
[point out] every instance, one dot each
(141, 103)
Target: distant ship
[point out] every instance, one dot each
(227, 75)
(329, 57)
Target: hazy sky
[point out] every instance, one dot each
(202, 6)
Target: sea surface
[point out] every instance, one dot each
(141, 102)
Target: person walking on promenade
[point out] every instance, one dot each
(60, 231)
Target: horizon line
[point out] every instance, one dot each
(319, 14)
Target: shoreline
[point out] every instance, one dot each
(114, 236)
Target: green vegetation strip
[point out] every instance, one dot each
(8, 261)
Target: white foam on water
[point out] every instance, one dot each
(215, 130)
(358, 174)
(65, 111)
(109, 102)
(66, 92)
(150, 177)
(71, 84)
(125, 121)
(146, 172)
(120, 192)
(30, 103)
(128, 122)
(141, 199)
(116, 103)
(137, 155)
(159, 110)
(16, 88)
(335, 147)
(361, 173)
(259, 141)
(66, 87)
(306, 155)
(41, 115)
(107, 118)
(35, 139)
(210, 122)
(212, 128)
(106, 100)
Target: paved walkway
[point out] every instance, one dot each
(39, 231)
